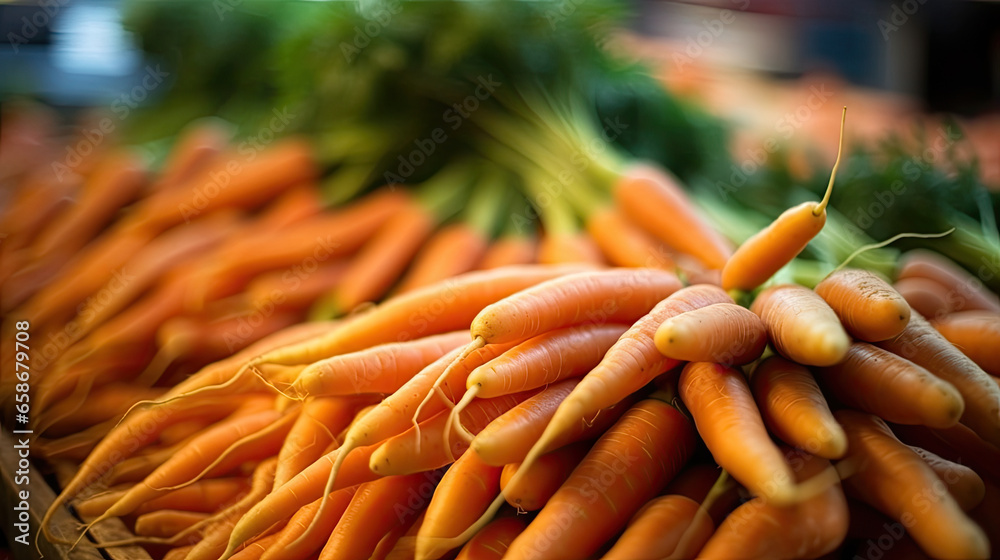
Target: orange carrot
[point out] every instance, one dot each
(868, 307)
(659, 528)
(963, 483)
(544, 478)
(110, 402)
(976, 334)
(452, 250)
(654, 199)
(563, 248)
(315, 428)
(764, 253)
(491, 542)
(289, 547)
(400, 540)
(296, 288)
(892, 478)
(723, 332)
(627, 466)
(965, 291)
(204, 496)
(509, 250)
(809, 529)
(794, 409)
(464, 492)
(196, 146)
(625, 244)
(166, 523)
(730, 424)
(924, 346)
(925, 296)
(880, 382)
(801, 326)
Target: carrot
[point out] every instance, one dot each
(698, 481)
(365, 520)
(658, 529)
(655, 201)
(231, 181)
(110, 402)
(39, 199)
(290, 208)
(381, 261)
(965, 291)
(295, 288)
(452, 250)
(976, 334)
(464, 492)
(166, 523)
(430, 446)
(627, 466)
(204, 496)
(443, 307)
(544, 477)
(764, 253)
(963, 483)
(723, 332)
(141, 428)
(491, 542)
(135, 469)
(256, 550)
(399, 541)
(924, 346)
(957, 443)
(544, 359)
(379, 369)
(809, 529)
(625, 244)
(509, 438)
(868, 308)
(801, 326)
(924, 296)
(563, 248)
(197, 145)
(509, 250)
(315, 428)
(289, 547)
(880, 382)
(794, 409)
(896, 481)
(731, 426)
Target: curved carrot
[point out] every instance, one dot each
(759, 257)
(924, 346)
(509, 250)
(963, 483)
(288, 546)
(965, 291)
(196, 146)
(315, 428)
(627, 466)
(868, 307)
(809, 529)
(110, 401)
(625, 244)
(565, 248)
(723, 332)
(166, 523)
(295, 288)
(925, 296)
(544, 478)
(204, 496)
(976, 334)
(491, 542)
(880, 382)
(659, 528)
(464, 492)
(892, 478)
(654, 199)
(452, 250)
(794, 409)
(801, 326)
(731, 426)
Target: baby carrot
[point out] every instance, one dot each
(658, 529)
(976, 334)
(544, 478)
(801, 326)
(868, 307)
(725, 333)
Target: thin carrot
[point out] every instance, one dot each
(625, 244)
(963, 483)
(452, 250)
(627, 466)
(400, 541)
(298, 204)
(925, 296)
(801, 326)
(256, 549)
(295, 288)
(867, 306)
(138, 467)
(759, 257)
(196, 146)
(654, 199)
(166, 523)
(880, 382)
(809, 529)
(289, 547)
(723, 332)
(509, 250)
(659, 527)
(794, 408)
(315, 428)
(564, 248)
(464, 492)
(491, 542)
(976, 334)
(509, 438)
(365, 520)
(204, 496)
(892, 478)
(545, 477)
(731, 426)
(924, 346)
(965, 291)
(109, 402)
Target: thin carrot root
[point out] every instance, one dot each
(79, 395)
(476, 344)
(165, 356)
(456, 421)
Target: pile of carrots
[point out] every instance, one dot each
(507, 398)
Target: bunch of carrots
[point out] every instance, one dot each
(679, 404)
